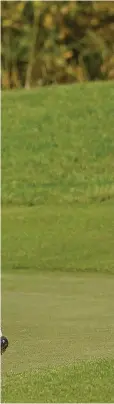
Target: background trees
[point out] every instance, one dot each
(56, 42)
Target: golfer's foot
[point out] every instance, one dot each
(4, 344)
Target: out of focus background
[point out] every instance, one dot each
(56, 42)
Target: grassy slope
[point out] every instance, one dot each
(57, 153)
(58, 144)
(58, 213)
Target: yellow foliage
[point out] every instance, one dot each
(15, 78)
(37, 4)
(68, 54)
(65, 9)
(80, 74)
(54, 9)
(94, 22)
(111, 74)
(7, 23)
(5, 80)
(83, 31)
(111, 61)
(108, 67)
(103, 6)
(73, 5)
(20, 6)
(48, 21)
(64, 32)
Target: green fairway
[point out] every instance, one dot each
(58, 244)
(58, 319)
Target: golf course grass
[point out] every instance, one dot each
(61, 333)
(57, 244)
(58, 145)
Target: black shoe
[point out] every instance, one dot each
(4, 344)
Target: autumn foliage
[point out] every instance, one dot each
(56, 42)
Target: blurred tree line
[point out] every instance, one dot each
(56, 42)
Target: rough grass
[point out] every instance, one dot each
(60, 328)
(58, 145)
(86, 382)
